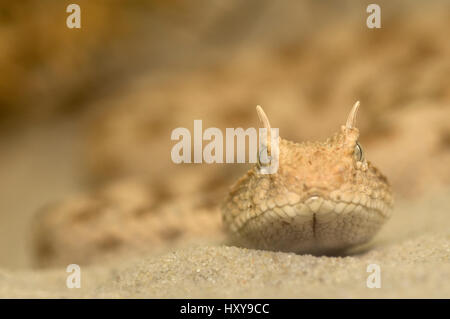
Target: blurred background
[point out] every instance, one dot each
(82, 109)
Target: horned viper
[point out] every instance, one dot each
(324, 197)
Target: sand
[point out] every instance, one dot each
(413, 252)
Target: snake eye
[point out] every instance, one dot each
(263, 157)
(358, 152)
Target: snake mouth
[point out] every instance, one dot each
(314, 224)
(319, 203)
(320, 207)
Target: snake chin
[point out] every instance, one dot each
(316, 226)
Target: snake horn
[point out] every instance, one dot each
(265, 121)
(351, 120)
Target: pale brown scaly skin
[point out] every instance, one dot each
(324, 197)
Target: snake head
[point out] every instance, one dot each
(324, 196)
(319, 168)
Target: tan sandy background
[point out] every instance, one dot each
(86, 117)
